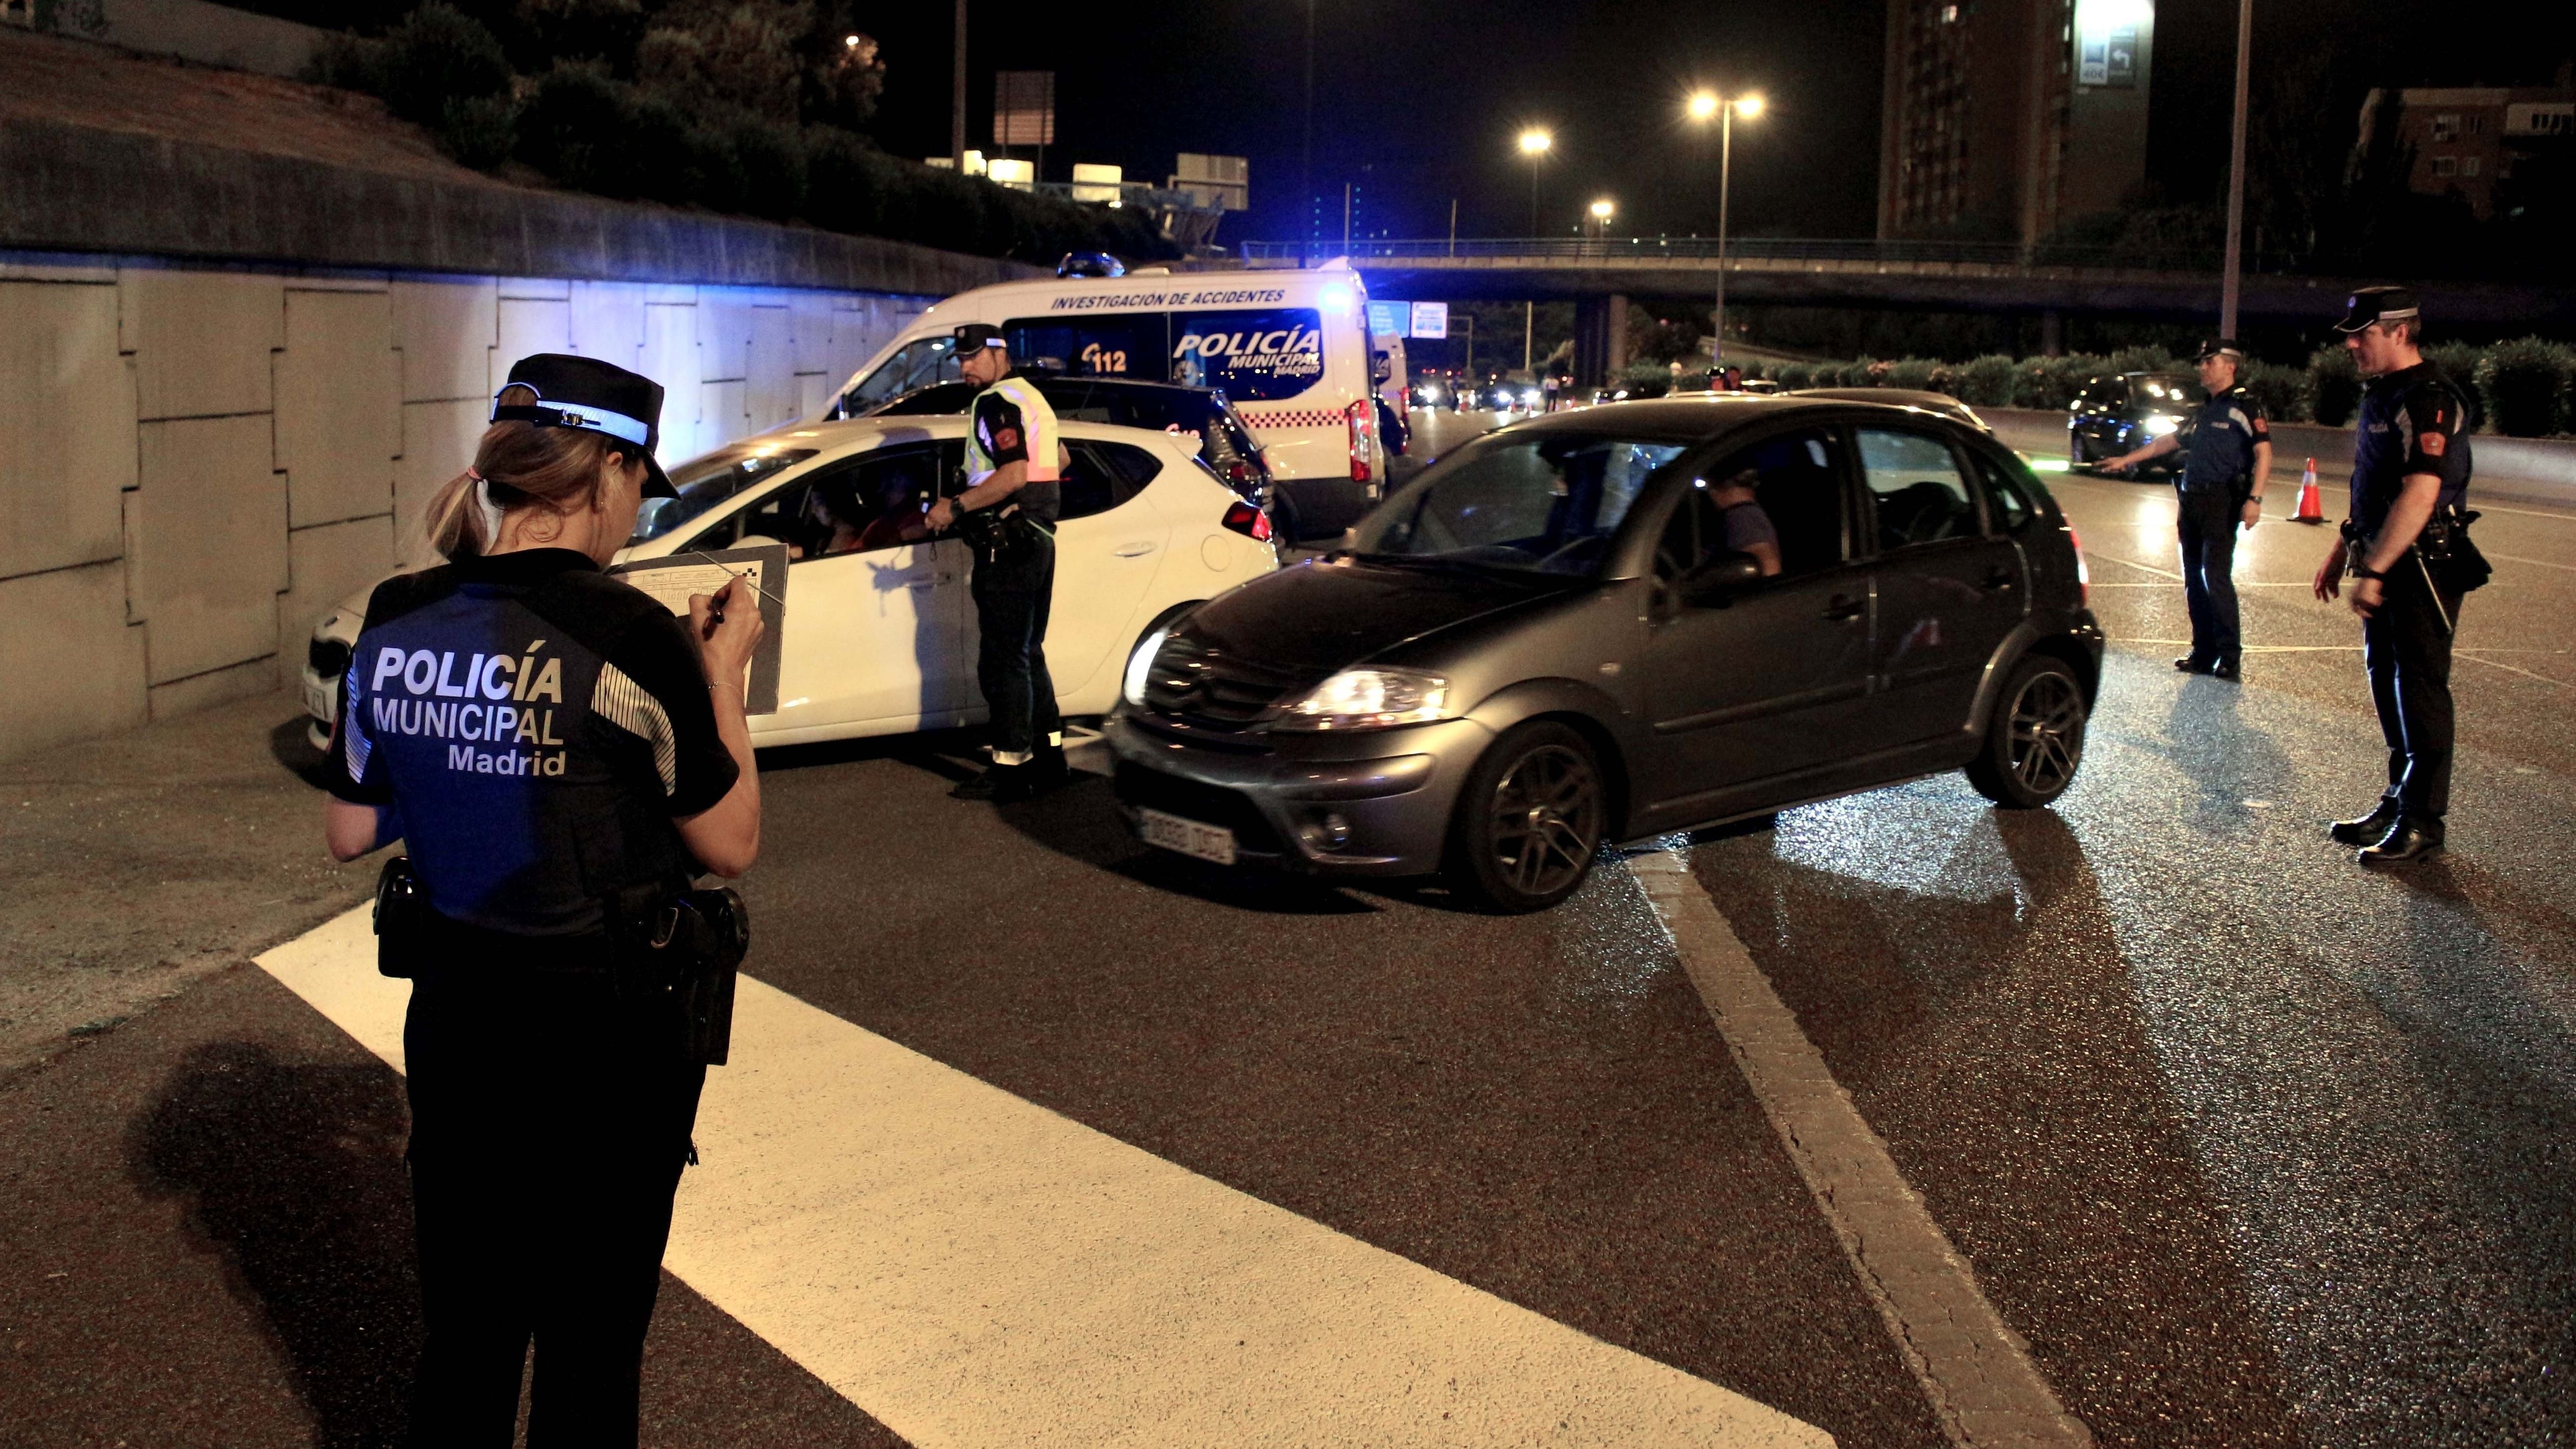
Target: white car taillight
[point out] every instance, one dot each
(1363, 421)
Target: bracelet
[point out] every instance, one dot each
(2360, 572)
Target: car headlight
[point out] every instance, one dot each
(1368, 699)
(2162, 423)
(1140, 667)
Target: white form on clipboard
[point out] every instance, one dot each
(672, 579)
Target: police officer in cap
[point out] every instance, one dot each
(2227, 462)
(2410, 468)
(1008, 515)
(559, 754)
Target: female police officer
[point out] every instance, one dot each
(557, 752)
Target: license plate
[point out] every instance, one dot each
(317, 700)
(1204, 842)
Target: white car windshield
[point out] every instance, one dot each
(710, 479)
(1539, 501)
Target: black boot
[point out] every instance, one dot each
(2227, 669)
(2368, 829)
(2411, 839)
(2192, 664)
(1048, 769)
(1000, 784)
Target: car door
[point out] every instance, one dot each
(1108, 546)
(1766, 679)
(1950, 590)
(874, 640)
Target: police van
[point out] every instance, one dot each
(1290, 350)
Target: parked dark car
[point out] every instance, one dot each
(1544, 644)
(2125, 411)
(1225, 444)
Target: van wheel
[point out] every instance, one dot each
(2035, 740)
(1529, 821)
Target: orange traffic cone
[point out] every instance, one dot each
(2311, 510)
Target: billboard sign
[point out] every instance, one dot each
(1430, 319)
(2106, 41)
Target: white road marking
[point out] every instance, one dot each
(973, 1269)
(1975, 1370)
(2133, 563)
(2534, 562)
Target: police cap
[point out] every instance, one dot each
(556, 390)
(2227, 347)
(2377, 304)
(981, 334)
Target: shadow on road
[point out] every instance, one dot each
(288, 745)
(295, 1179)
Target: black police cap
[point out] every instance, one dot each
(2377, 304)
(594, 396)
(2227, 347)
(981, 334)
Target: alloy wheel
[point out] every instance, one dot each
(1547, 820)
(2047, 732)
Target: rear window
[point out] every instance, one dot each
(1250, 356)
(1120, 344)
(1103, 476)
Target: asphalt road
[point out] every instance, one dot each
(2244, 1146)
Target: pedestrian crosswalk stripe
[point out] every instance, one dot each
(973, 1269)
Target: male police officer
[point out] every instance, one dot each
(1012, 463)
(2410, 463)
(2223, 476)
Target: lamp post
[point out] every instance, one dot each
(1535, 143)
(1702, 107)
(2231, 285)
(1601, 213)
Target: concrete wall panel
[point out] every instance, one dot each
(246, 680)
(324, 564)
(608, 323)
(670, 357)
(206, 544)
(446, 330)
(75, 670)
(814, 392)
(724, 333)
(810, 316)
(66, 427)
(721, 414)
(339, 421)
(438, 444)
(528, 326)
(771, 393)
(201, 339)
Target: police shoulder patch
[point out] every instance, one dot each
(2434, 443)
(1006, 437)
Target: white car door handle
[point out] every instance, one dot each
(1135, 550)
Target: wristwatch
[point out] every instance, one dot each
(2361, 572)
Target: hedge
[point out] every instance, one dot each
(2334, 386)
(2524, 384)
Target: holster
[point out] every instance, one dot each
(685, 944)
(402, 919)
(2451, 559)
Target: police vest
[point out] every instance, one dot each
(1010, 422)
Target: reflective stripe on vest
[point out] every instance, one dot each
(1037, 432)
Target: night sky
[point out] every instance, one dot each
(1418, 103)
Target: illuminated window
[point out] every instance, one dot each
(2446, 126)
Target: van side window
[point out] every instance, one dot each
(1103, 476)
(1117, 344)
(1250, 356)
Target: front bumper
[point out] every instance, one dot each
(1373, 804)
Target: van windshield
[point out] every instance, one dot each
(917, 363)
(704, 482)
(1548, 502)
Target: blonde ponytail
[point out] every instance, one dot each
(520, 465)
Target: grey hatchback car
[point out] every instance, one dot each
(1615, 623)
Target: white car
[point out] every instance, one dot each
(880, 635)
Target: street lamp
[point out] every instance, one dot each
(1535, 143)
(1601, 211)
(1702, 106)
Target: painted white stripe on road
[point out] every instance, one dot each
(973, 1269)
(1975, 1370)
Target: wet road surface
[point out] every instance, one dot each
(2246, 1145)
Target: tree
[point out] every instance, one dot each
(782, 60)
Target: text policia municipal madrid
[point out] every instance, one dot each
(464, 705)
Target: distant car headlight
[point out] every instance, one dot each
(2161, 424)
(1369, 699)
(1140, 667)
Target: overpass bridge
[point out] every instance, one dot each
(1911, 275)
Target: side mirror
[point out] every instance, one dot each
(1381, 366)
(655, 517)
(1713, 582)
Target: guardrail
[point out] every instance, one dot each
(1614, 251)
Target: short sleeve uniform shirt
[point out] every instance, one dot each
(537, 727)
(2412, 421)
(2218, 441)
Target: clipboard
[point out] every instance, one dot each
(673, 578)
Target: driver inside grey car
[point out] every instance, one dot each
(1749, 529)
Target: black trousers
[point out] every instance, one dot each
(550, 1122)
(1012, 594)
(2407, 645)
(2206, 523)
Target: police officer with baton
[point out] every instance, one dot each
(561, 756)
(2406, 550)
(2227, 461)
(1007, 517)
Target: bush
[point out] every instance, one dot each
(479, 131)
(2334, 386)
(1986, 382)
(1646, 379)
(1795, 376)
(437, 56)
(2282, 392)
(1914, 373)
(2524, 384)
(2144, 359)
(582, 128)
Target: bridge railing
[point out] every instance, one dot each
(1614, 251)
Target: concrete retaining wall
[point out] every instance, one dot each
(197, 462)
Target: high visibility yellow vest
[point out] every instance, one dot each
(1037, 428)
